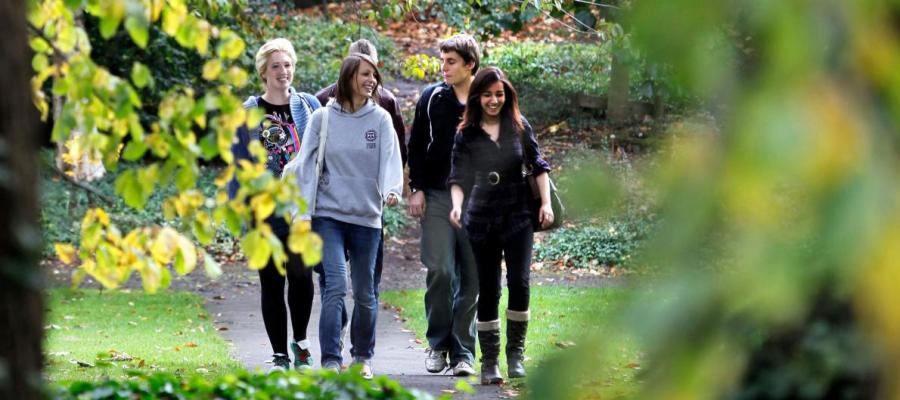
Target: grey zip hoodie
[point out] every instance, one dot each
(362, 164)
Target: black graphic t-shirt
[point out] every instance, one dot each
(278, 135)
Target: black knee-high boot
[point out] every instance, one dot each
(489, 340)
(516, 330)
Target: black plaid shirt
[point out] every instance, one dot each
(501, 208)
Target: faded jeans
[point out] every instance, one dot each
(361, 243)
(451, 293)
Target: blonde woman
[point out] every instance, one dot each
(287, 113)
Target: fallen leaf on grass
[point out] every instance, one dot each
(448, 391)
(633, 366)
(222, 328)
(190, 344)
(565, 344)
(82, 364)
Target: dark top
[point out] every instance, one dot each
(497, 203)
(431, 137)
(279, 136)
(388, 102)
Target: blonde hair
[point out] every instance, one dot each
(262, 55)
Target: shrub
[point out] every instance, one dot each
(589, 245)
(422, 67)
(395, 219)
(60, 201)
(242, 385)
(565, 74)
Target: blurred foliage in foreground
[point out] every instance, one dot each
(792, 197)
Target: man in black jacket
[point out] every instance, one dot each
(451, 292)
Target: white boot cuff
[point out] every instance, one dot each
(517, 315)
(488, 325)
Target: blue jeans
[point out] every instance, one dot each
(361, 243)
(451, 292)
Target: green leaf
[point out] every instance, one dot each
(137, 27)
(134, 150)
(109, 24)
(140, 75)
(185, 178)
(208, 147)
(39, 62)
(130, 189)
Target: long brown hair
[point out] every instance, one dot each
(474, 112)
(343, 92)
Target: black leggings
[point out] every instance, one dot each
(516, 250)
(300, 299)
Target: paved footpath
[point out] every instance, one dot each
(238, 317)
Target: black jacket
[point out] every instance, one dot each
(431, 137)
(491, 175)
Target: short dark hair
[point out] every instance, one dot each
(483, 80)
(465, 46)
(343, 92)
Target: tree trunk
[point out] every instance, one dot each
(617, 105)
(21, 301)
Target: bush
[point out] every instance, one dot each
(321, 46)
(589, 245)
(571, 74)
(395, 220)
(60, 201)
(242, 385)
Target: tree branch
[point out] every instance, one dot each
(83, 186)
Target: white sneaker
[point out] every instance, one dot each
(436, 362)
(463, 368)
(366, 369)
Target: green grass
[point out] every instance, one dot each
(167, 331)
(561, 319)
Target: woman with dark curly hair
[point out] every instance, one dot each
(493, 144)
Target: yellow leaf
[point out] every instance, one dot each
(212, 69)
(263, 205)
(65, 252)
(185, 256)
(256, 248)
(163, 248)
(302, 240)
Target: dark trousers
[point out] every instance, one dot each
(516, 250)
(300, 298)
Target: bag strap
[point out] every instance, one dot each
(437, 89)
(320, 156)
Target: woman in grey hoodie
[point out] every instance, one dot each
(361, 171)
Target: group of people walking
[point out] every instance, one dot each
(468, 146)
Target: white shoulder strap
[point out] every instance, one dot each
(320, 155)
(436, 90)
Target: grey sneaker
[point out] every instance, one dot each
(332, 365)
(436, 362)
(463, 368)
(280, 362)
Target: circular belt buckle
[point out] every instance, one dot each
(493, 178)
